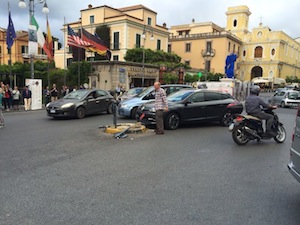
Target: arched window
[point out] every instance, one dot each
(244, 53)
(273, 52)
(258, 52)
(234, 23)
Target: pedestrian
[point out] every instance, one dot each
(47, 96)
(54, 93)
(161, 106)
(2, 124)
(118, 90)
(11, 99)
(7, 98)
(16, 98)
(27, 98)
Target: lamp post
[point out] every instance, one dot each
(22, 4)
(144, 36)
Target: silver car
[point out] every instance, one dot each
(294, 165)
(286, 98)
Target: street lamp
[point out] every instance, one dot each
(22, 5)
(144, 36)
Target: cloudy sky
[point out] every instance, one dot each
(277, 14)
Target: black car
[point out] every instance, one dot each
(80, 103)
(189, 106)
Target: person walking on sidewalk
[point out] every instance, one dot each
(27, 98)
(2, 124)
(161, 105)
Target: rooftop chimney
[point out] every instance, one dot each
(90, 6)
(164, 25)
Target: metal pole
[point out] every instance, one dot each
(31, 13)
(65, 76)
(143, 75)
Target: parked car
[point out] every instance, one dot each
(129, 107)
(189, 106)
(286, 98)
(130, 93)
(81, 103)
(294, 165)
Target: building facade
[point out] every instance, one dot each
(203, 46)
(130, 27)
(264, 53)
(19, 50)
(261, 52)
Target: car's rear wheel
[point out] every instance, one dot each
(282, 105)
(172, 121)
(80, 113)
(226, 119)
(133, 113)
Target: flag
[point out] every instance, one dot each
(98, 45)
(49, 41)
(11, 34)
(75, 40)
(40, 37)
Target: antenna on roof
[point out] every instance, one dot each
(261, 23)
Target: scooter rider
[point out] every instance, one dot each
(254, 105)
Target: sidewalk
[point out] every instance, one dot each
(21, 109)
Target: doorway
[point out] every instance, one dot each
(256, 71)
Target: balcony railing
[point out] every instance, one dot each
(208, 52)
(200, 35)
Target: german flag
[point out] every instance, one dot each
(98, 45)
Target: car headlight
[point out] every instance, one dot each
(48, 105)
(152, 110)
(123, 106)
(67, 105)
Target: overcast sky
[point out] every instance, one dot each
(277, 14)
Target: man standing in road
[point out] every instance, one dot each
(161, 105)
(27, 98)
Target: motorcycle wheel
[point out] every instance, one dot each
(238, 135)
(281, 135)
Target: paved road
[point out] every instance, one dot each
(65, 172)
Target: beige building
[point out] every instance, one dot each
(264, 53)
(261, 52)
(19, 50)
(203, 45)
(130, 27)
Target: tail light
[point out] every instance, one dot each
(239, 118)
(232, 104)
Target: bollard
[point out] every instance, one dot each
(114, 112)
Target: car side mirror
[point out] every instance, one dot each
(187, 102)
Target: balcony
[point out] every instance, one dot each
(208, 53)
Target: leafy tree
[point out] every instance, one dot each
(170, 60)
(170, 78)
(191, 78)
(85, 69)
(292, 79)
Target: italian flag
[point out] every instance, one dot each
(40, 38)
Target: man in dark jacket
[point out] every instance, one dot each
(254, 105)
(27, 98)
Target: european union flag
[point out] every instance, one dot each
(10, 34)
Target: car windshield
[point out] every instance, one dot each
(179, 96)
(76, 94)
(134, 91)
(294, 95)
(145, 91)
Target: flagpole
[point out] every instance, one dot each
(65, 76)
(79, 55)
(10, 64)
(48, 61)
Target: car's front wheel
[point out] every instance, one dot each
(80, 113)
(282, 105)
(172, 121)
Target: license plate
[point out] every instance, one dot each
(52, 111)
(230, 128)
